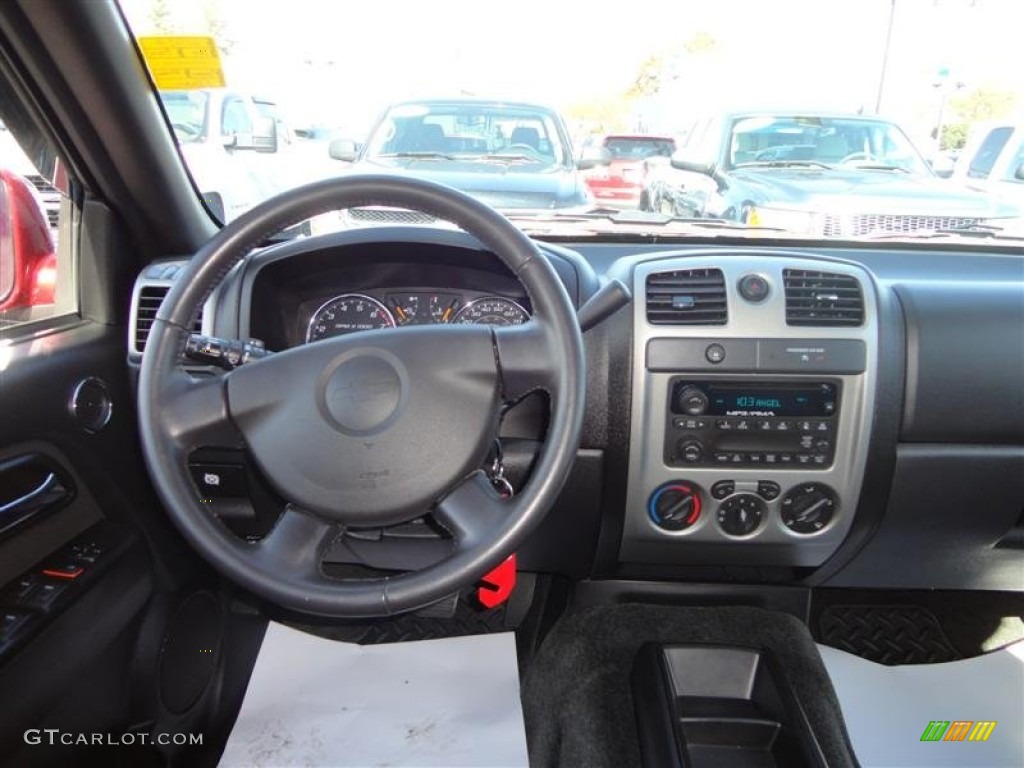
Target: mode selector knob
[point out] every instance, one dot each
(674, 506)
(691, 401)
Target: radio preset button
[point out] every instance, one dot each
(771, 458)
(785, 458)
(820, 459)
(742, 424)
(723, 458)
(723, 424)
(755, 458)
(803, 458)
(764, 425)
(783, 426)
(723, 488)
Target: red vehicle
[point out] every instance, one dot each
(28, 263)
(619, 183)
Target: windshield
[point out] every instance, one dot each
(187, 112)
(713, 118)
(827, 140)
(469, 132)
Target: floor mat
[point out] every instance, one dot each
(886, 634)
(313, 701)
(933, 715)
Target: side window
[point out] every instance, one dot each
(36, 275)
(988, 152)
(1015, 169)
(235, 118)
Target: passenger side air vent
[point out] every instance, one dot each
(822, 298)
(687, 297)
(149, 301)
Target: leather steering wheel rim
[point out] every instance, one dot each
(179, 412)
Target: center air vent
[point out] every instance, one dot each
(822, 299)
(150, 299)
(687, 297)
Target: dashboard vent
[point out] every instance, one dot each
(687, 297)
(150, 299)
(822, 298)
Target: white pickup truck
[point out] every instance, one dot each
(993, 161)
(238, 147)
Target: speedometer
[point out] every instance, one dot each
(492, 310)
(348, 313)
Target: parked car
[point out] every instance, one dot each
(817, 173)
(14, 159)
(507, 154)
(993, 161)
(621, 181)
(28, 264)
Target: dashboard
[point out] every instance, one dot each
(809, 415)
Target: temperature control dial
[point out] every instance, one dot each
(674, 506)
(808, 507)
(741, 514)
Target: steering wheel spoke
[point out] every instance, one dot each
(526, 358)
(297, 542)
(472, 511)
(195, 412)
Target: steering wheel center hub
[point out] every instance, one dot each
(363, 392)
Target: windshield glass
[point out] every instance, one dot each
(469, 132)
(774, 138)
(852, 119)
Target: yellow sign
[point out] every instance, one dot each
(182, 63)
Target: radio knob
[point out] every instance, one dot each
(690, 451)
(691, 401)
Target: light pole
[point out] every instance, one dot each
(885, 56)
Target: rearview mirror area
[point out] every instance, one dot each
(344, 150)
(28, 262)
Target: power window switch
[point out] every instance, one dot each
(43, 597)
(11, 622)
(19, 591)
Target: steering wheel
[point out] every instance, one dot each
(520, 148)
(188, 129)
(866, 157)
(367, 429)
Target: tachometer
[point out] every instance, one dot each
(492, 310)
(348, 313)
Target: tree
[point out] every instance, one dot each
(160, 17)
(954, 136)
(660, 68)
(983, 104)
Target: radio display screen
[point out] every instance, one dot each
(771, 400)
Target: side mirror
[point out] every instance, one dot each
(264, 134)
(684, 162)
(1019, 173)
(592, 157)
(28, 264)
(344, 150)
(942, 166)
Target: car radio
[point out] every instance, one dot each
(782, 424)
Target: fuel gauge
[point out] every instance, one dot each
(443, 307)
(406, 308)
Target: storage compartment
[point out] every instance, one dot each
(718, 707)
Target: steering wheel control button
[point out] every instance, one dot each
(714, 354)
(768, 490)
(219, 481)
(808, 507)
(741, 515)
(674, 506)
(691, 401)
(363, 393)
(723, 488)
(753, 288)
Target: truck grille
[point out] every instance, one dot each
(872, 223)
(389, 216)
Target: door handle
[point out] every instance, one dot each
(29, 486)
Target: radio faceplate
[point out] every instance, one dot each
(735, 423)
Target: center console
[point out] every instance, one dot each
(753, 386)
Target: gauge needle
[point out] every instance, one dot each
(401, 312)
(447, 312)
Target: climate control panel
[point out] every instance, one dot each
(742, 507)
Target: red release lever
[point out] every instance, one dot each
(496, 586)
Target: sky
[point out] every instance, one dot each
(340, 62)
